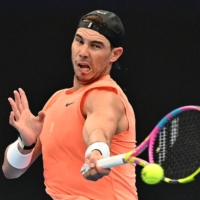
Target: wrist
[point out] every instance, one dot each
(102, 147)
(23, 146)
(16, 158)
(23, 151)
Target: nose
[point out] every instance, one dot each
(84, 51)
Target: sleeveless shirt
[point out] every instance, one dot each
(63, 149)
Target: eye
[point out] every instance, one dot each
(96, 46)
(79, 40)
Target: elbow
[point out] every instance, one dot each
(9, 175)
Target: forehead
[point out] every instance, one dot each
(91, 35)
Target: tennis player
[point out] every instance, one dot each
(82, 124)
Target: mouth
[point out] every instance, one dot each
(84, 67)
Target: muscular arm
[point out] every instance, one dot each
(105, 117)
(104, 113)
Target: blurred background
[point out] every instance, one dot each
(160, 70)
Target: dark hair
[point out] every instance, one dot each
(98, 21)
(95, 19)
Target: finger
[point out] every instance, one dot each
(16, 112)
(94, 172)
(24, 100)
(93, 157)
(103, 170)
(92, 175)
(91, 164)
(12, 120)
(18, 101)
(41, 116)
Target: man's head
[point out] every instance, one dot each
(106, 23)
(104, 31)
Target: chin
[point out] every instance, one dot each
(82, 79)
(86, 81)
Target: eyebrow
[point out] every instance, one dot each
(93, 41)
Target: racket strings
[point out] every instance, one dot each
(177, 146)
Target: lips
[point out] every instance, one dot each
(84, 67)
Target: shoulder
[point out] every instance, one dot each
(53, 98)
(105, 98)
(101, 94)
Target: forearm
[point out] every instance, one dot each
(97, 135)
(97, 140)
(9, 171)
(18, 169)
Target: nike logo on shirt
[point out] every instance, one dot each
(67, 104)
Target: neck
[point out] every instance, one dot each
(78, 84)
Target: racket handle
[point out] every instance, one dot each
(111, 161)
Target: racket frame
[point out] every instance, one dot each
(130, 157)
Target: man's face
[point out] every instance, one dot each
(91, 55)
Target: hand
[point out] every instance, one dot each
(23, 120)
(90, 170)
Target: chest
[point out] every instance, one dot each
(63, 124)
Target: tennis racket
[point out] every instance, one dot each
(174, 144)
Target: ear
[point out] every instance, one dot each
(116, 53)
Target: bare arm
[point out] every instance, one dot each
(105, 117)
(11, 172)
(29, 128)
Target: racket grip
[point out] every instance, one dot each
(111, 161)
